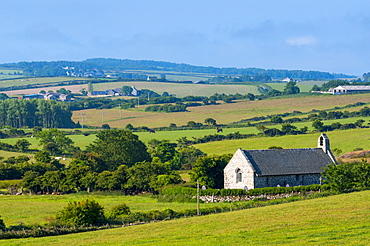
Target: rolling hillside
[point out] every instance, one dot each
(336, 220)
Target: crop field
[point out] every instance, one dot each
(37, 209)
(182, 89)
(346, 140)
(223, 113)
(38, 80)
(335, 220)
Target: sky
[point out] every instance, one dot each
(321, 35)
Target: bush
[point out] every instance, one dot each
(121, 209)
(86, 212)
(2, 225)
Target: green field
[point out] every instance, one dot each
(336, 220)
(38, 209)
(346, 140)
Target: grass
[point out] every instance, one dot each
(346, 140)
(38, 209)
(336, 220)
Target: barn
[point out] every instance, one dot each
(249, 169)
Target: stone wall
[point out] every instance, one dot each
(216, 199)
(290, 180)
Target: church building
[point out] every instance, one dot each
(249, 169)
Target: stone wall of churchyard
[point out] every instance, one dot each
(215, 199)
(286, 180)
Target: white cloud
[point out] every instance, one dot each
(302, 40)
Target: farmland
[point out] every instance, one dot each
(341, 219)
(223, 113)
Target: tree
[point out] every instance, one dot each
(3, 96)
(288, 129)
(64, 91)
(261, 128)
(31, 181)
(191, 123)
(210, 121)
(315, 88)
(2, 225)
(120, 209)
(83, 92)
(61, 143)
(348, 176)
(318, 125)
(83, 213)
(276, 119)
(43, 156)
(117, 147)
(126, 90)
(90, 87)
(208, 170)
(22, 145)
(105, 126)
(143, 173)
(291, 88)
(165, 151)
(186, 157)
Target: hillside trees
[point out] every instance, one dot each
(117, 147)
(209, 170)
(348, 176)
(30, 113)
(55, 141)
(291, 88)
(143, 176)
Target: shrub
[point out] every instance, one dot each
(120, 209)
(86, 212)
(2, 225)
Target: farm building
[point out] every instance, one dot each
(278, 167)
(349, 89)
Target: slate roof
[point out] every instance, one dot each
(354, 87)
(288, 161)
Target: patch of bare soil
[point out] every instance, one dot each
(355, 156)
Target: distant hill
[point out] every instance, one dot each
(97, 65)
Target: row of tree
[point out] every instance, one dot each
(30, 113)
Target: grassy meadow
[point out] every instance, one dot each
(346, 140)
(335, 220)
(38, 209)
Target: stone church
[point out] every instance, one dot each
(249, 169)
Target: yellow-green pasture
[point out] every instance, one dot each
(223, 113)
(37, 80)
(335, 220)
(38, 209)
(83, 141)
(346, 140)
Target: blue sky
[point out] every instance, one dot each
(325, 35)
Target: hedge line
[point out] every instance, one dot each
(180, 190)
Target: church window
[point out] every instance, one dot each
(239, 175)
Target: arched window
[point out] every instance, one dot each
(239, 175)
